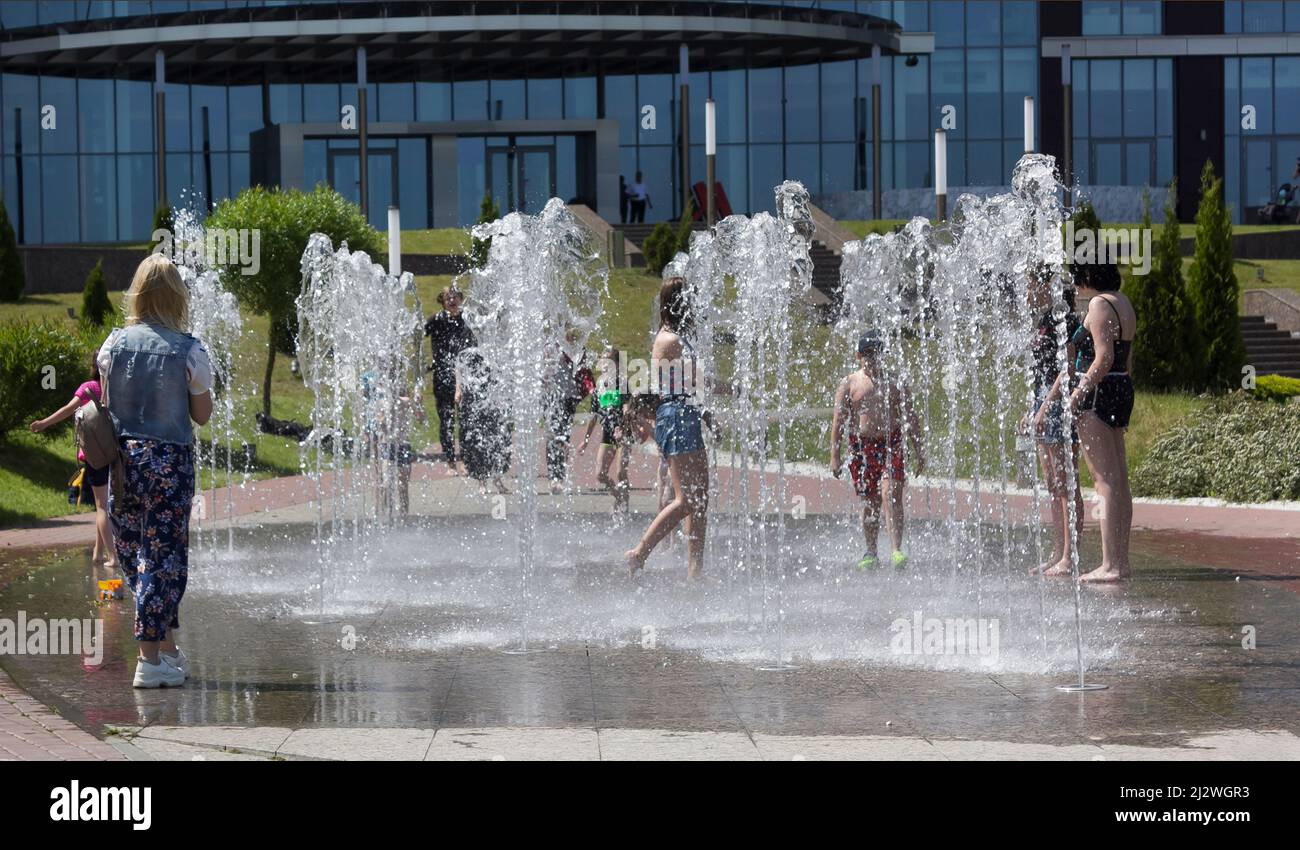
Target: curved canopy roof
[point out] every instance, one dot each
(455, 39)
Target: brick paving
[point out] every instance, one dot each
(31, 732)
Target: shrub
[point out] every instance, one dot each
(660, 247)
(1276, 388)
(286, 220)
(1165, 344)
(95, 306)
(41, 366)
(479, 248)
(12, 277)
(1235, 448)
(1213, 290)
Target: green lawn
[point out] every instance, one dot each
(861, 229)
(446, 240)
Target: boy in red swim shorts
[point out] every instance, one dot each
(878, 412)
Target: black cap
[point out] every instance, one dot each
(870, 341)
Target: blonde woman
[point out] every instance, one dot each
(157, 379)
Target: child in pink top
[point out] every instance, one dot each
(89, 391)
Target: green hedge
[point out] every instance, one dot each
(29, 390)
(1235, 448)
(1276, 388)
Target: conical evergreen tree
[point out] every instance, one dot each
(95, 306)
(1214, 292)
(1165, 343)
(12, 278)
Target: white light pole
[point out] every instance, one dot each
(941, 173)
(394, 241)
(1029, 125)
(710, 159)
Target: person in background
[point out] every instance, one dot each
(88, 392)
(448, 336)
(607, 409)
(1057, 451)
(568, 382)
(876, 411)
(623, 197)
(486, 429)
(640, 197)
(158, 378)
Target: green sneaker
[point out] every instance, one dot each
(868, 562)
(899, 559)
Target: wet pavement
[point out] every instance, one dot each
(404, 662)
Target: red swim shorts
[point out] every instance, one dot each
(868, 461)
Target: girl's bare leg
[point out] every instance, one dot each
(662, 525)
(104, 528)
(1106, 460)
(695, 480)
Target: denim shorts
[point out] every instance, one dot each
(678, 428)
(1053, 424)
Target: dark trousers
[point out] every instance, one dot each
(559, 424)
(445, 397)
(638, 212)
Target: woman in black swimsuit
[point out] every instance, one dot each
(1103, 401)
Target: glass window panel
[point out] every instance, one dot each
(1165, 161)
(26, 227)
(983, 24)
(1258, 181)
(837, 168)
(1102, 17)
(471, 178)
(912, 15)
(656, 163)
(21, 91)
(1019, 22)
(911, 106)
(180, 179)
(621, 105)
(1164, 97)
(239, 173)
(214, 187)
(984, 95)
(245, 114)
(801, 103)
(214, 98)
(698, 94)
(432, 101)
(95, 116)
(1137, 164)
(1286, 94)
(913, 168)
(728, 89)
(1232, 16)
(837, 101)
(948, 23)
(732, 171)
(396, 102)
(984, 164)
(58, 188)
(1292, 22)
(469, 103)
(1139, 97)
(580, 97)
(314, 168)
(1104, 97)
(803, 163)
(61, 93)
(1141, 17)
(545, 98)
(765, 174)
(321, 103)
(956, 164)
(1019, 80)
(1257, 91)
(413, 182)
(765, 106)
(286, 103)
(134, 116)
(1262, 16)
(1232, 95)
(566, 176)
(1109, 164)
(1011, 154)
(1232, 177)
(1080, 163)
(948, 87)
(1080, 86)
(507, 100)
(657, 90)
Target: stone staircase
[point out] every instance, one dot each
(1269, 350)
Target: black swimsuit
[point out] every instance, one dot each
(1112, 398)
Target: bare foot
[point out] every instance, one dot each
(694, 573)
(1059, 569)
(1104, 574)
(501, 487)
(557, 487)
(110, 565)
(635, 561)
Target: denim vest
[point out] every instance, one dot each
(148, 393)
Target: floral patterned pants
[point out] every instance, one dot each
(151, 524)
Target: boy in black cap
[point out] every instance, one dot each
(875, 409)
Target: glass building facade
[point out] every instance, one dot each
(87, 173)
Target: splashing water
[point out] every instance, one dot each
(534, 305)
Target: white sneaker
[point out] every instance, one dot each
(179, 661)
(160, 675)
